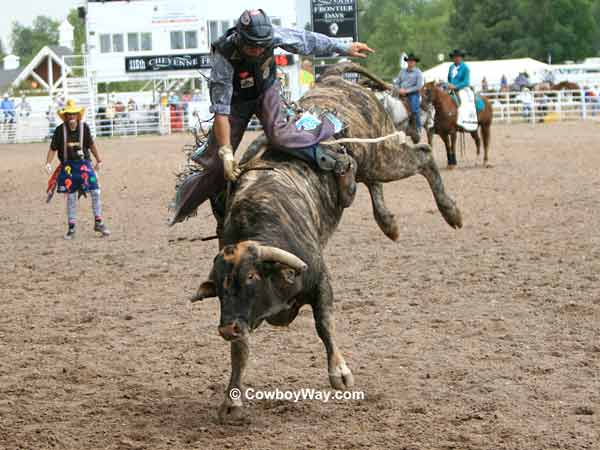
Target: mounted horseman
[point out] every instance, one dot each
(243, 82)
(455, 108)
(409, 83)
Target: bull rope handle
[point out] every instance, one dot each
(399, 134)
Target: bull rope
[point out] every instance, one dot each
(399, 134)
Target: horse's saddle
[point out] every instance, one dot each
(479, 103)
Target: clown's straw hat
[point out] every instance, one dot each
(71, 108)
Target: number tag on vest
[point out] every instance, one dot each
(247, 83)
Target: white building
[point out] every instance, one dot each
(117, 30)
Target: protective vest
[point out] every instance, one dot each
(251, 76)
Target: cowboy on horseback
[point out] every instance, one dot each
(243, 82)
(459, 81)
(409, 83)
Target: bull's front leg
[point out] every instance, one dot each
(231, 408)
(340, 375)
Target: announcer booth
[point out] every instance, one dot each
(167, 42)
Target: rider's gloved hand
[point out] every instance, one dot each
(230, 166)
(49, 168)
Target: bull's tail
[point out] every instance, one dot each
(350, 67)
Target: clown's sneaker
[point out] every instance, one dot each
(101, 228)
(70, 234)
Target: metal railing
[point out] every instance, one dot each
(39, 126)
(543, 106)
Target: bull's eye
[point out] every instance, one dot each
(252, 276)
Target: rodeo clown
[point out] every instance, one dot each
(243, 82)
(75, 175)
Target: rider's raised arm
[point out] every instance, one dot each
(303, 42)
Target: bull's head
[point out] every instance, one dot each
(253, 282)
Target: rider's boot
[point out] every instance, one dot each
(334, 159)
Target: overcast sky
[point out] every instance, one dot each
(24, 11)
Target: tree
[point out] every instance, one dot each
(79, 30)
(394, 26)
(28, 41)
(488, 29)
(2, 52)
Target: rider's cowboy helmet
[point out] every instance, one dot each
(412, 57)
(457, 52)
(254, 29)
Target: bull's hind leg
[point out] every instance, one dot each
(340, 375)
(231, 408)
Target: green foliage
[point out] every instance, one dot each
(395, 26)
(2, 52)
(486, 29)
(28, 41)
(79, 30)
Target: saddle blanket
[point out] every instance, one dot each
(467, 114)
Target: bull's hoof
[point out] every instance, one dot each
(341, 378)
(231, 412)
(453, 216)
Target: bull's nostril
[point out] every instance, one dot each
(236, 328)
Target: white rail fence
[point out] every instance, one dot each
(39, 126)
(543, 106)
(509, 107)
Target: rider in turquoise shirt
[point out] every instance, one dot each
(458, 73)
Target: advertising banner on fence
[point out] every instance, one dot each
(335, 18)
(141, 64)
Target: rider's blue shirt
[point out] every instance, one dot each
(459, 75)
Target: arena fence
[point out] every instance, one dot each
(543, 106)
(509, 107)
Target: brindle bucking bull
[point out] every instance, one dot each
(281, 213)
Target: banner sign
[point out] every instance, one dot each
(140, 64)
(335, 18)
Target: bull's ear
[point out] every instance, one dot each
(206, 290)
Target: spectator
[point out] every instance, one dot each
(307, 76)
(484, 85)
(196, 97)
(131, 105)
(522, 80)
(8, 109)
(24, 108)
(173, 99)
(51, 118)
(503, 84)
(186, 97)
(526, 100)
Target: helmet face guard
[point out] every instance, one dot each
(254, 29)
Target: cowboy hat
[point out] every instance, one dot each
(71, 108)
(457, 52)
(412, 57)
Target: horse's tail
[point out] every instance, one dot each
(350, 67)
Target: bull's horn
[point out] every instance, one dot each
(266, 253)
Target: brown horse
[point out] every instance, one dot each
(446, 116)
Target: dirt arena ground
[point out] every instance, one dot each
(485, 338)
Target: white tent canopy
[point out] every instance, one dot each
(493, 71)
